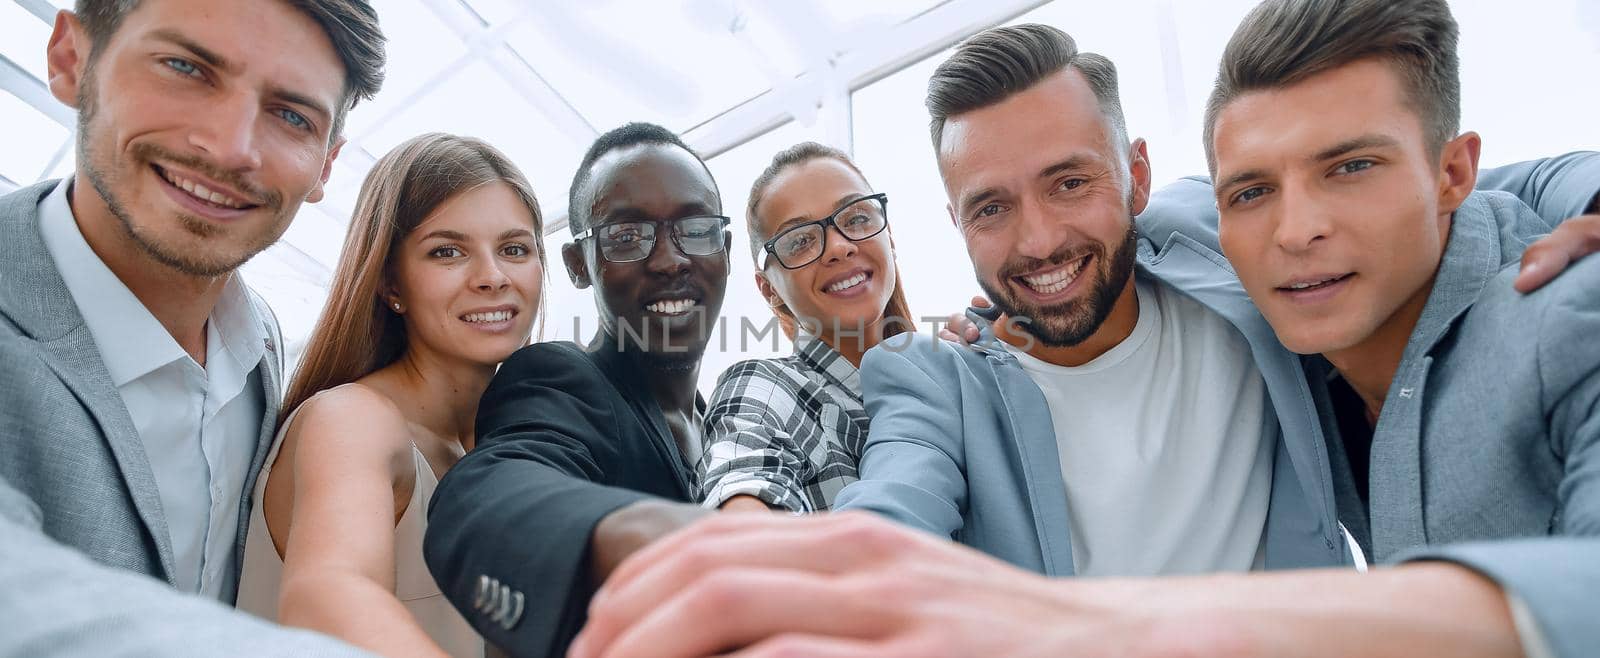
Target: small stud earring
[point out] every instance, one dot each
(397, 307)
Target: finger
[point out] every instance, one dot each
(1540, 264)
(972, 334)
(707, 529)
(1547, 258)
(811, 646)
(945, 335)
(733, 608)
(981, 302)
(846, 542)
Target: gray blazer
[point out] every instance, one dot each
(66, 439)
(56, 602)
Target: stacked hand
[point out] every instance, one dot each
(854, 585)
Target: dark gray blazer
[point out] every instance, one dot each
(66, 439)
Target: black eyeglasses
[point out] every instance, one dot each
(802, 244)
(628, 242)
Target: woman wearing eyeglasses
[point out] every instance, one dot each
(785, 433)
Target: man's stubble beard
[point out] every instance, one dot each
(1075, 321)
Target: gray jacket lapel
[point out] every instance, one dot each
(1471, 258)
(47, 314)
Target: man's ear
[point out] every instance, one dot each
(952, 211)
(577, 265)
(66, 58)
(318, 192)
(1458, 170)
(1139, 173)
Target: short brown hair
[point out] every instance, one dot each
(352, 26)
(1282, 42)
(999, 62)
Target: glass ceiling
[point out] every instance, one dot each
(741, 79)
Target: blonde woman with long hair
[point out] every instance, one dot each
(440, 280)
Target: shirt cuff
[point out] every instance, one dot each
(771, 493)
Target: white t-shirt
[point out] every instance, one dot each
(1161, 445)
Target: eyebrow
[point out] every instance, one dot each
(302, 100)
(636, 214)
(978, 197)
(837, 206)
(1073, 163)
(216, 60)
(447, 234)
(1237, 178)
(210, 57)
(1354, 144)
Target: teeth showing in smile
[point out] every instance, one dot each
(492, 316)
(1057, 280)
(847, 283)
(671, 306)
(201, 192)
(1313, 284)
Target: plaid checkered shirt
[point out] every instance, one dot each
(787, 431)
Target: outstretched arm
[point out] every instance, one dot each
(527, 524)
(858, 586)
(912, 467)
(347, 468)
(751, 459)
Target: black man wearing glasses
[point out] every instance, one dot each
(584, 455)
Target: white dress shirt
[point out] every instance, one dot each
(199, 425)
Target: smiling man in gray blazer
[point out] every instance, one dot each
(139, 377)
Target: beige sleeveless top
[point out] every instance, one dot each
(414, 586)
